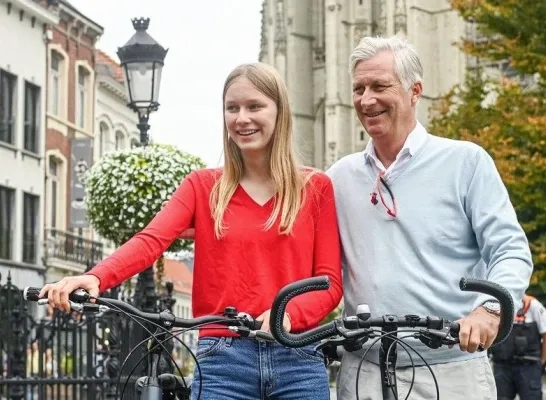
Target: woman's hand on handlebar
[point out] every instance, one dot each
(287, 325)
(479, 328)
(57, 293)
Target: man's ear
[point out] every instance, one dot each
(416, 92)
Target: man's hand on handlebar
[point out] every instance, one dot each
(57, 293)
(478, 329)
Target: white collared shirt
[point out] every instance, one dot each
(413, 142)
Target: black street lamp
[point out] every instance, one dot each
(142, 61)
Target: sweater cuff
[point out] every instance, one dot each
(101, 288)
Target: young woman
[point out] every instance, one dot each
(260, 223)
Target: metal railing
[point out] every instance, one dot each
(74, 248)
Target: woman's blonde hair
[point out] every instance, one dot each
(286, 173)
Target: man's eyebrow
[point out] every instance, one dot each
(377, 81)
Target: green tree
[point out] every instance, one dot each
(503, 116)
(125, 189)
(514, 30)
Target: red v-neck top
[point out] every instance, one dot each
(249, 265)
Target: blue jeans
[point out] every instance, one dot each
(245, 369)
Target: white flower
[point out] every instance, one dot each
(125, 189)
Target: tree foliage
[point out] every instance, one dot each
(514, 30)
(504, 116)
(125, 189)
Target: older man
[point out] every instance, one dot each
(417, 212)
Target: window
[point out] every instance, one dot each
(32, 117)
(55, 82)
(7, 198)
(30, 227)
(53, 175)
(103, 138)
(120, 142)
(81, 97)
(8, 85)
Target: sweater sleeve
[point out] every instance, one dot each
(502, 241)
(145, 247)
(309, 309)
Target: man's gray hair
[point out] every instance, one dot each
(407, 65)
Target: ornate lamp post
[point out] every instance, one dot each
(142, 61)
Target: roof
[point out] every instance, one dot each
(179, 274)
(113, 66)
(69, 5)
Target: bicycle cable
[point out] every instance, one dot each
(173, 335)
(398, 340)
(135, 318)
(381, 336)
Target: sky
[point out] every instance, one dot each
(206, 40)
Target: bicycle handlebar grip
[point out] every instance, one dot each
(504, 298)
(77, 296)
(279, 306)
(31, 293)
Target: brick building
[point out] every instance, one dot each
(71, 59)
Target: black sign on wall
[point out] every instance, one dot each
(81, 161)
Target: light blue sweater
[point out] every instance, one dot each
(454, 220)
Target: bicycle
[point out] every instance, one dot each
(154, 386)
(352, 332)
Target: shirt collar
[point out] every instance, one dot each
(413, 142)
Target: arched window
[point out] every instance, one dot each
(120, 140)
(104, 134)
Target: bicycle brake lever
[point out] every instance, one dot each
(330, 343)
(435, 338)
(257, 334)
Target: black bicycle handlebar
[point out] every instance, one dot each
(164, 318)
(331, 329)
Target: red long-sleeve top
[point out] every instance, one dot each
(248, 265)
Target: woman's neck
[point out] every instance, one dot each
(257, 167)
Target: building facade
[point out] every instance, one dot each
(309, 42)
(115, 123)
(25, 27)
(70, 247)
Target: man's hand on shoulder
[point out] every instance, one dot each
(479, 328)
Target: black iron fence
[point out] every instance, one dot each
(67, 356)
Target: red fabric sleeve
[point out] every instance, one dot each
(145, 247)
(311, 308)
